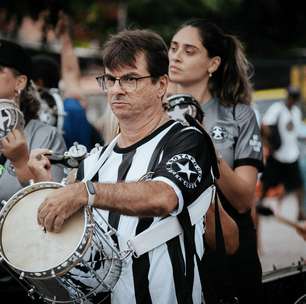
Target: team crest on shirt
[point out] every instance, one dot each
(255, 143)
(218, 134)
(185, 168)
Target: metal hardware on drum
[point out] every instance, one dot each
(51, 268)
(73, 156)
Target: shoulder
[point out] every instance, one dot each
(187, 134)
(36, 125)
(243, 112)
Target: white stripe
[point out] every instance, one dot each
(170, 227)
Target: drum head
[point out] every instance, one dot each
(24, 243)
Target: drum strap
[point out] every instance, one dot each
(103, 158)
(170, 227)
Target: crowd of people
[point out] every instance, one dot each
(154, 170)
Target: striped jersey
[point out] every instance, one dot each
(185, 165)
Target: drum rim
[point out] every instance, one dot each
(282, 272)
(50, 272)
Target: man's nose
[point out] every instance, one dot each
(116, 87)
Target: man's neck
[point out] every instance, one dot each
(199, 91)
(133, 131)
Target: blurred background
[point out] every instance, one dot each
(273, 33)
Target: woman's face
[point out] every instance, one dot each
(189, 61)
(8, 83)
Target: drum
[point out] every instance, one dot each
(10, 117)
(285, 285)
(77, 264)
(51, 108)
(180, 104)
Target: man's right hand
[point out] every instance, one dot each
(39, 165)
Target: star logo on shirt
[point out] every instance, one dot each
(185, 169)
(218, 134)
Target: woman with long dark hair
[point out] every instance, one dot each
(211, 65)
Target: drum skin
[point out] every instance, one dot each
(51, 263)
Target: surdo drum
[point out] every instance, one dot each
(72, 266)
(180, 104)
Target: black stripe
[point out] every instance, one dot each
(178, 266)
(127, 159)
(141, 267)
(80, 172)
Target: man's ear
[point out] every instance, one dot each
(163, 84)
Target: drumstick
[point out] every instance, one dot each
(266, 211)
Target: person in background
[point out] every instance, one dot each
(211, 66)
(287, 119)
(16, 85)
(47, 75)
(15, 148)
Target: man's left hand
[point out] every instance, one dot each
(61, 205)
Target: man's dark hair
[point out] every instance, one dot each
(122, 49)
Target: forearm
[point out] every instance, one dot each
(136, 198)
(23, 173)
(239, 191)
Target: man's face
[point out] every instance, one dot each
(140, 103)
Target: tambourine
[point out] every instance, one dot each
(10, 117)
(180, 104)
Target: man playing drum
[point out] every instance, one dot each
(130, 198)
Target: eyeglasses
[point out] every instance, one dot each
(127, 83)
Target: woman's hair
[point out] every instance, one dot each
(29, 103)
(231, 81)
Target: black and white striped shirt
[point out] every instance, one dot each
(185, 165)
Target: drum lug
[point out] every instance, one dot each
(31, 182)
(3, 202)
(31, 293)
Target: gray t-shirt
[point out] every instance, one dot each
(39, 135)
(235, 133)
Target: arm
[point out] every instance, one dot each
(238, 185)
(134, 199)
(70, 68)
(15, 148)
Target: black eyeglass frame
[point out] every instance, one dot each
(102, 83)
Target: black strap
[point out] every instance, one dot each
(226, 291)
